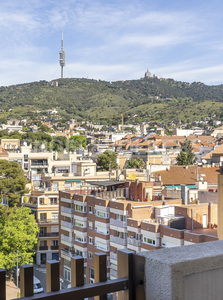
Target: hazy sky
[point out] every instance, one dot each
(111, 40)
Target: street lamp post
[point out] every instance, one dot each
(17, 251)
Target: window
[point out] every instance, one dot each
(81, 239)
(90, 209)
(55, 216)
(43, 243)
(118, 234)
(118, 217)
(67, 274)
(80, 224)
(149, 241)
(90, 225)
(53, 201)
(90, 255)
(90, 240)
(26, 166)
(25, 157)
(80, 208)
(55, 243)
(102, 214)
(138, 236)
(91, 275)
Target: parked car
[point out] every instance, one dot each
(37, 286)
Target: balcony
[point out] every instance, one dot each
(193, 272)
(113, 273)
(118, 240)
(67, 224)
(67, 239)
(67, 252)
(67, 210)
(43, 247)
(41, 221)
(118, 223)
(113, 255)
(48, 234)
(134, 242)
(55, 247)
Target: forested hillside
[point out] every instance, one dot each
(143, 99)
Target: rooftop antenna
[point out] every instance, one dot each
(62, 55)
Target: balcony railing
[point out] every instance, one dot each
(67, 239)
(118, 223)
(67, 252)
(48, 221)
(134, 242)
(118, 240)
(67, 224)
(43, 247)
(67, 210)
(55, 247)
(101, 287)
(48, 234)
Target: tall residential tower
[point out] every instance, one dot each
(62, 56)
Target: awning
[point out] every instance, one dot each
(72, 180)
(106, 183)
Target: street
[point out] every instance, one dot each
(40, 273)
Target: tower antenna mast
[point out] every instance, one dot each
(62, 55)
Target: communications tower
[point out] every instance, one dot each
(62, 56)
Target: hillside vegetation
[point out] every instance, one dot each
(144, 99)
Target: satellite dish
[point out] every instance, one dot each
(132, 176)
(204, 161)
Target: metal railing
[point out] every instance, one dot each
(54, 247)
(118, 240)
(67, 252)
(43, 247)
(130, 280)
(48, 220)
(48, 234)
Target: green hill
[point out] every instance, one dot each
(87, 99)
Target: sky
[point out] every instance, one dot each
(111, 40)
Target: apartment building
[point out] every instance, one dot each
(45, 207)
(90, 224)
(43, 200)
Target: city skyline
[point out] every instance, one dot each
(111, 41)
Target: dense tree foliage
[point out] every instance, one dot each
(12, 182)
(77, 141)
(147, 98)
(135, 163)
(18, 232)
(107, 161)
(186, 156)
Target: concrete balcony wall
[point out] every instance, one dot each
(67, 224)
(134, 242)
(193, 272)
(67, 210)
(118, 240)
(118, 223)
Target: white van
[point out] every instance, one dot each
(37, 286)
